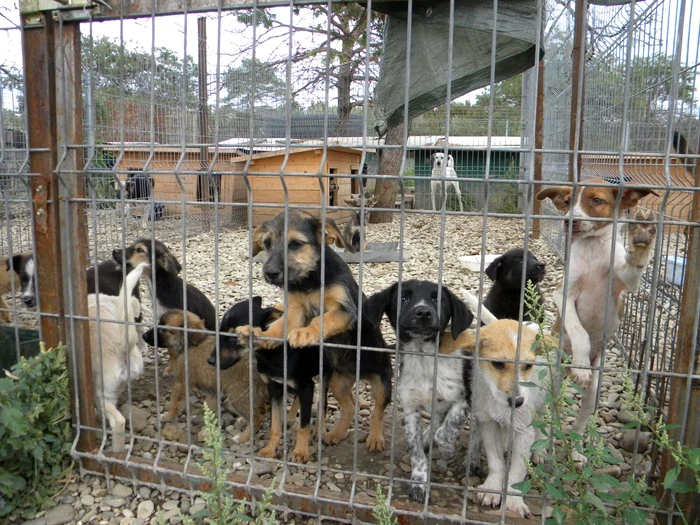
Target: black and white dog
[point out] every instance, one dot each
(106, 278)
(138, 186)
(506, 272)
(420, 327)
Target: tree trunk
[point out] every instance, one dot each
(389, 164)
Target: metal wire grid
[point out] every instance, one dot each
(319, 502)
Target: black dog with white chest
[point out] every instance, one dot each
(420, 326)
(506, 272)
(302, 368)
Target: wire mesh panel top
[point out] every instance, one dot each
(401, 251)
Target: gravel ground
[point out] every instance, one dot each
(90, 501)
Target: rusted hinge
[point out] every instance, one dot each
(31, 10)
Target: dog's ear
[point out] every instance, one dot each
(257, 302)
(332, 234)
(16, 263)
(492, 270)
(379, 303)
(466, 341)
(167, 260)
(372, 201)
(196, 323)
(630, 196)
(258, 244)
(559, 195)
(269, 315)
(462, 316)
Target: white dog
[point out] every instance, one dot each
(110, 347)
(442, 170)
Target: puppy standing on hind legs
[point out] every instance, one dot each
(585, 328)
(336, 303)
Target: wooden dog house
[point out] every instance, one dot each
(164, 162)
(340, 170)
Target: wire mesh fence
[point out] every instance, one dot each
(194, 131)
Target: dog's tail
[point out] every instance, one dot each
(473, 303)
(126, 310)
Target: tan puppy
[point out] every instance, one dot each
(235, 384)
(498, 393)
(7, 277)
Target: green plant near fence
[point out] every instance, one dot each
(35, 433)
(587, 494)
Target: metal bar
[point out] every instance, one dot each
(73, 225)
(577, 89)
(539, 144)
(684, 401)
(40, 89)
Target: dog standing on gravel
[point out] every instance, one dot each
(420, 328)
(442, 169)
(302, 367)
(336, 302)
(506, 272)
(234, 381)
(498, 394)
(113, 337)
(593, 308)
(353, 228)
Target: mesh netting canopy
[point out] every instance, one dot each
(471, 51)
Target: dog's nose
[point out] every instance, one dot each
(272, 275)
(423, 312)
(574, 223)
(518, 402)
(212, 360)
(28, 301)
(541, 266)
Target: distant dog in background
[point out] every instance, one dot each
(506, 272)
(444, 168)
(353, 228)
(138, 186)
(235, 382)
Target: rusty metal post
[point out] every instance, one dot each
(54, 115)
(539, 142)
(577, 85)
(40, 85)
(74, 238)
(686, 361)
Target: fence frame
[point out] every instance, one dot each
(51, 50)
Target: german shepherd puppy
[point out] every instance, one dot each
(337, 304)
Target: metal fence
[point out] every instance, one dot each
(280, 107)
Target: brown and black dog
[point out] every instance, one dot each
(335, 304)
(235, 382)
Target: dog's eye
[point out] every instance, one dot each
(267, 244)
(527, 367)
(404, 299)
(597, 201)
(138, 250)
(498, 365)
(295, 245)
